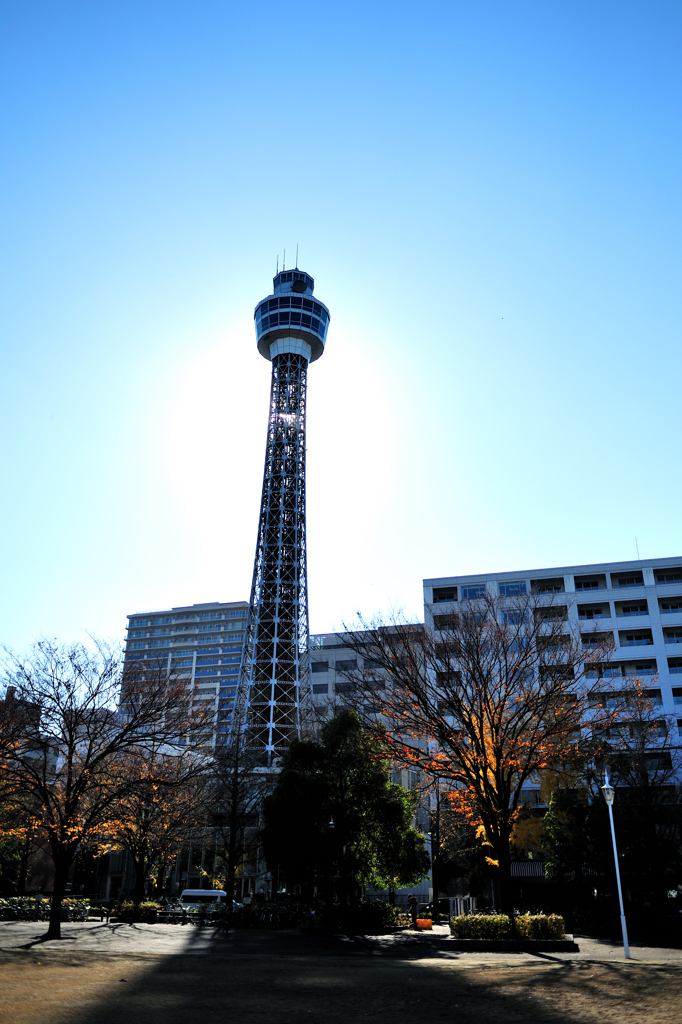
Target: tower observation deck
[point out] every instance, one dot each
(274, 699)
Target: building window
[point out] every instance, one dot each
(594, 611)
(642, 668)
(668, 575)
(632, 608)
(595, 582)
(671, 605)
(513, 589)
(673, 635)
(444, 594)
(675, 666)
(677, 696)
(474, 592)
(445, 621)
(548, 586)
(319, 688)
(638, 638)
(319, 666)
(631, 579)
(346, 666)
(551, 613)
(595, 639)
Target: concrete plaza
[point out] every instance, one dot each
(166, 974)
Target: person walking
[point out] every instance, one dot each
(412, 903)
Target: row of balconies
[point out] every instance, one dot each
(583, 584)
(137, 645)
(163, 629)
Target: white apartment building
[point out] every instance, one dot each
(329, 660)
(638, 602)
(202, 643)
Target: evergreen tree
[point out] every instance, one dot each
(335, 820)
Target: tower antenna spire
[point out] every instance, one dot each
(297, 256)
(277, 271)
(284, 260)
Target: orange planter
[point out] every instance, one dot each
(424, 923)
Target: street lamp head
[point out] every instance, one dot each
(331, 823)
(608, 791)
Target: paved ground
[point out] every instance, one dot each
(151, 974)
(172, 939)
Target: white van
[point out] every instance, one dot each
(192, 899)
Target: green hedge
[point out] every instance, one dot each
(365, 917)
(29, 902)
(499, 926)
(144, 912)
(540, 926)
(481, 926)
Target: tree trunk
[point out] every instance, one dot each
(231, 868)
(140, 865)
(161, 876)
(26, 847)
(62, 863)
(506, 894)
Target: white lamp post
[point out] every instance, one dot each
(609, 794)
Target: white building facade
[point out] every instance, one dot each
(638, 602)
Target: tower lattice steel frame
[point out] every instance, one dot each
(274, 700)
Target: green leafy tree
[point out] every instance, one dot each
(575, 835)
(335, 820)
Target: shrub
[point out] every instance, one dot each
(147, 911)
(481, 926)
(540, 926)
(499, 926)
(127, 911)
(366, 917)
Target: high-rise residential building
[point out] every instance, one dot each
(275, 701)
(638, 603)
(200, 643)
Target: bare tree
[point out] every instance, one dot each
(487, 699)
(233, 796)
(161, 809)
(70, 718)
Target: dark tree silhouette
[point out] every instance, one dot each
(335, 820)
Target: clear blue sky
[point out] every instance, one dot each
(488, 196)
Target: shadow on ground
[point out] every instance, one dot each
(284, 978)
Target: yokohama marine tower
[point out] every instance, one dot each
(274, 701)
